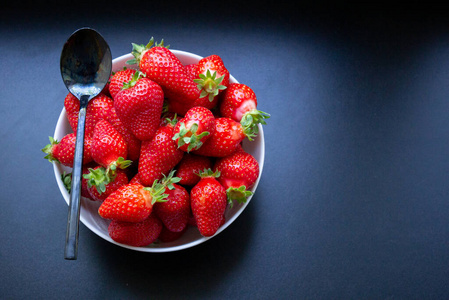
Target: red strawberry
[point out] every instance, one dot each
(175, 211)
(109, 149)
(139, 106)
(159, 155)
(100, 183)
(192, 70)
(131, 140)
(213, 76)
(64, 151)
(167, 236)
(136, 179)
(208, 201)
(118, 79)
(238, 173)
(162, 66)
(194, 129)
(189, 168)
(132, 202)
(97, 109)
(239, 103)
(225, 140)
(136, 234)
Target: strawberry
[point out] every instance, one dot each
(190, 166)
(194, 129)
(167, 236)
(63, 151)
(139, 106)
(132, 202)
(159, 155)
(174, 212)
(192, 71)
(225, 140)
(109, 149)
(162, 66)
(97, 109)
(136, 179)
(238, 173)
(239, 103)
(132, 142)
(208, 202)
(213, 76)
(136, 234)
(204, 73)
(100, 183)
(118, 79)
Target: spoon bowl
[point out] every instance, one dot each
(86, 65)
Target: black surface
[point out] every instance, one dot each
(353, 202)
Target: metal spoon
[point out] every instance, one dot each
(86, 64)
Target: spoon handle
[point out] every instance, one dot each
(71, 245)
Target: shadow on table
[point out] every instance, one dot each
(193, 271)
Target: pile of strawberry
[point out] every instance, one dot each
(162, 148)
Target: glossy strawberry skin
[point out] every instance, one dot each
(208, 202)
(189, 168)
(64, 150)
(118, 79)
(129, 203)
(238, 99)
(97, 109)
(174, 212)
(158, 156)
(214, 63)
(131, 140)
(238, 169)
(162, 66)
(107, 144)
(225, 140)
(140, 107)
(136, 234)
(205, 122)
(119, 180)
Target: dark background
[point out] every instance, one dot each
(353, 202)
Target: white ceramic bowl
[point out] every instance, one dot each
(89, 209)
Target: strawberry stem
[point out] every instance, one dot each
(139, 50)
(250, 120)
(49, 148)
(209, 84)
(189, 136)
(239, 194)
(99, 178)
(132, 82)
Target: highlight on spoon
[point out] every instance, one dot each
(86, 62)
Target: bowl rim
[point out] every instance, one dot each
(57, 171)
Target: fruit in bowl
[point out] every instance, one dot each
(173, 154)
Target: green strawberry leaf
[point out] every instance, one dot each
(239, 194)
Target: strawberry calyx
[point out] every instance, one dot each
(66, 179)
(100, 178)
(250, 120)
(120, 163)
(139, 50)
(168, 181)
(209, 84)
(190, 136)
(48, 149)
(239, 194)
(157, 190)
(136, 77)
(208, 173)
